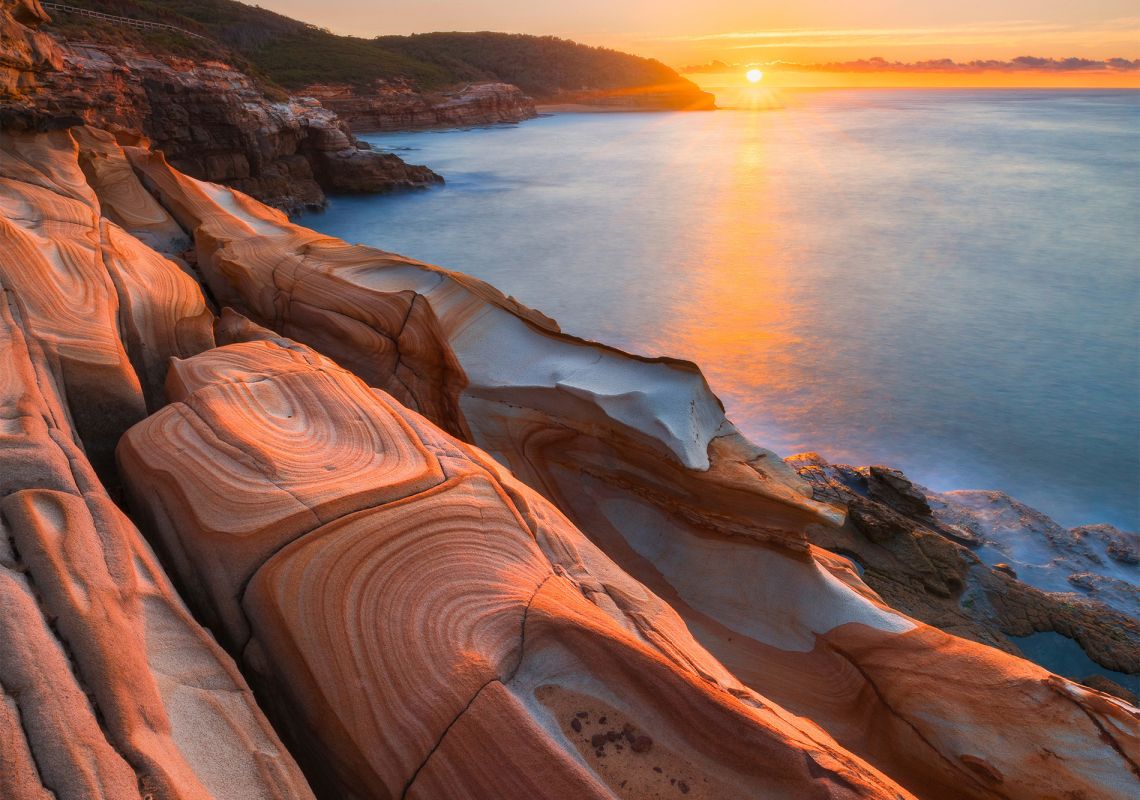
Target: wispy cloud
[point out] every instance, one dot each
(848, 33)
(1019, 64)
(1004, 32)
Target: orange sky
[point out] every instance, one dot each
(771, 35)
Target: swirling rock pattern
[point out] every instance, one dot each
(110, 689)
(108, 310)
(391, 339)
(421, 620)
(638, 453)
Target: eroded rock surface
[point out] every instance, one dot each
(109, 687)
(363, 561)
(107, 310)
(639, 606)
(638, 454)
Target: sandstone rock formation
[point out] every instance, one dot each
(379, 562)
(108, 687)
(638, 454)
(459, 553)
(107, 310)
(24, 53)
(396, 106)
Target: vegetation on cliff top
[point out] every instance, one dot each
(293, 54)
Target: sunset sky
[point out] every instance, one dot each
(808, 42)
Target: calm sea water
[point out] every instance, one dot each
(947, 281)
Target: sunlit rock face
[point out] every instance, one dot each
(427, 626)
(25, 53)
(108, 687)
(639, 456)
(107, 310)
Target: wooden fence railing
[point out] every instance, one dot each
(128, 22)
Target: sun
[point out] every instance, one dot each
(754, 75)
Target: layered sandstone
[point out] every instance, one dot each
(396, 106)
(639, 456)
(379, 562)
(107, 309)
(108, 686)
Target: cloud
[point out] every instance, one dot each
(990, 33)
(877, 64)
(788, 34)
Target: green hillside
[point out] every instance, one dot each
(292, 54)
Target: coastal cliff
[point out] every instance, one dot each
(212, 120)
(454, 551)
(273, 120)
(392, 107)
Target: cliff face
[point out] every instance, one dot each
(211, 120)
(399, 107)
(24, 53)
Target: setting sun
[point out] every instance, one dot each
(754, 75)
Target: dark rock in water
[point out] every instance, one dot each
(910, 543)
(893, 489)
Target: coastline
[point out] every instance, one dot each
(286, 516)
(559, 492)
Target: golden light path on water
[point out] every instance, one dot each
(938, 281)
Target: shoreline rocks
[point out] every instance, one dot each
(920, 551)
(637, 454)
(454, 551)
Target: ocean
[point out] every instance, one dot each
(947, 282)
